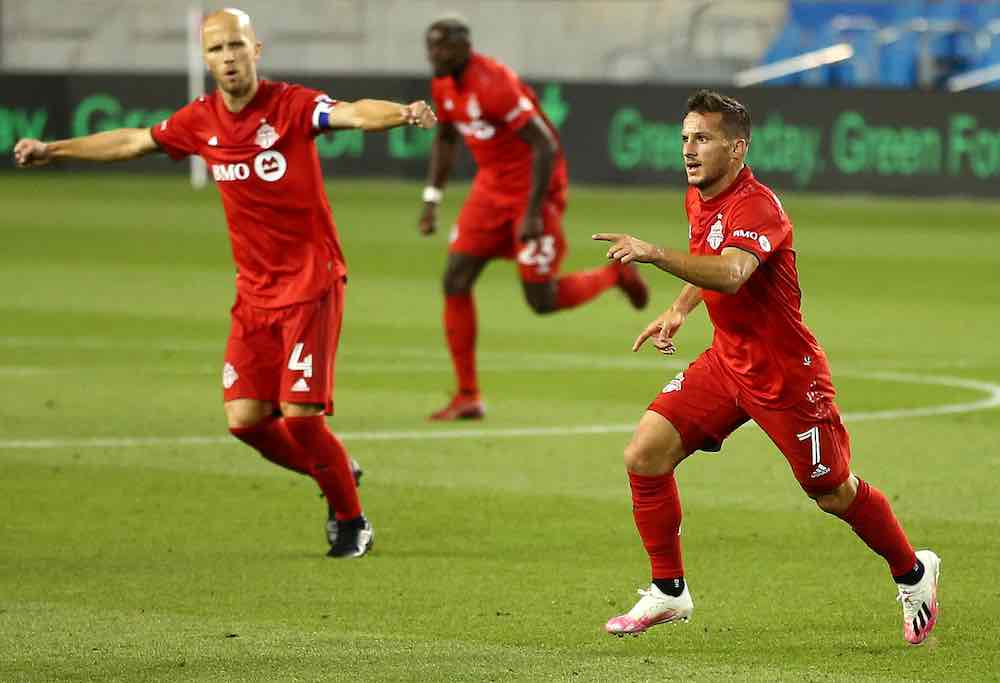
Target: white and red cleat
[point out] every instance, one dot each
(461, 407)
(920, 604)
(654, 607)
(630, 282)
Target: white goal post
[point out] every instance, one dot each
(196, 82)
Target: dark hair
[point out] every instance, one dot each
(452, 29)
(735, 116)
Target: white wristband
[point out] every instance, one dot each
(433, 195)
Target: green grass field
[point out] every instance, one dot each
(139, 542)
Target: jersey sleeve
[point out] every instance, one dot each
(310, 110)
(759, 225)
(504, 101)
(176, 135)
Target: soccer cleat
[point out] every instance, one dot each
(331, 522)
(920, 604)
(461, 407)
(630, 282)
(354, 538)
(654, 607)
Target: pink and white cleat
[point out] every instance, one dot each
(920, 605)
(654, 607)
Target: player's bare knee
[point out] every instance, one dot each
(541, 297)
(641, 457)
(836, 501)
(243, 413)
(542, 305)
(302, 409)
(457, 281)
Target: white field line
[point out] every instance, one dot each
(393, 356)
(992, 400)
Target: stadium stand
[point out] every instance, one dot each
(911, 44)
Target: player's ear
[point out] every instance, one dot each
(257, 47)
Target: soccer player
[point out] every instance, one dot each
(764, 364)
(257, 137)
(516, 204)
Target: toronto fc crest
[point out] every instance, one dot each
(716, 234)
(472, 108)
(266, 135)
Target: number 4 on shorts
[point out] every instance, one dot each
(812, 436)
(297, 362)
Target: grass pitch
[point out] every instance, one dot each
(138, 542)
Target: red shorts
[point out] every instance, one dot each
(485, 230)
(704, 406)
(284, 354)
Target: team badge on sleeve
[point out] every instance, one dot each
(676, 384)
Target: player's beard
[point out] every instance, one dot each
(237, 87)
(707, 180)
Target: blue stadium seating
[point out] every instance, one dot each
(903, 44)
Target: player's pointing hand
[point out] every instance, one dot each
(420, 114)
(30, 152)
(662, 331)
(626, 248)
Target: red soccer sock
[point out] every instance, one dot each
(656, 508)
(460, 329)
(577, 288)
(272, 440)
(330, 466)
(873, 521)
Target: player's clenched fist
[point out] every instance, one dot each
(29, 152)
(626, 248)
(420, 114)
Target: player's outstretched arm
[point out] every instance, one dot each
(724, 273)
(665, 326)
(113, 145)
(444, 150)
(375, 115)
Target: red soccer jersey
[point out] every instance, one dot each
(266, 167)
(489, 104)
(759, 333)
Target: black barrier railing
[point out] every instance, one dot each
(896, 142)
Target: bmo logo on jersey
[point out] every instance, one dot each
(754, 236)
(479, 129)
(226, 172)
(269, 166)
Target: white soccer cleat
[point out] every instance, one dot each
(654, 607)
(920, 604)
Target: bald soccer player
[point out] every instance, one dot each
(515, 207)
(257, 137)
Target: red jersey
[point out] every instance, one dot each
(489, 104)
(266, 167)
(760, 337)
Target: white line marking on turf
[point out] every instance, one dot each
(394, 356)
(992, 400)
